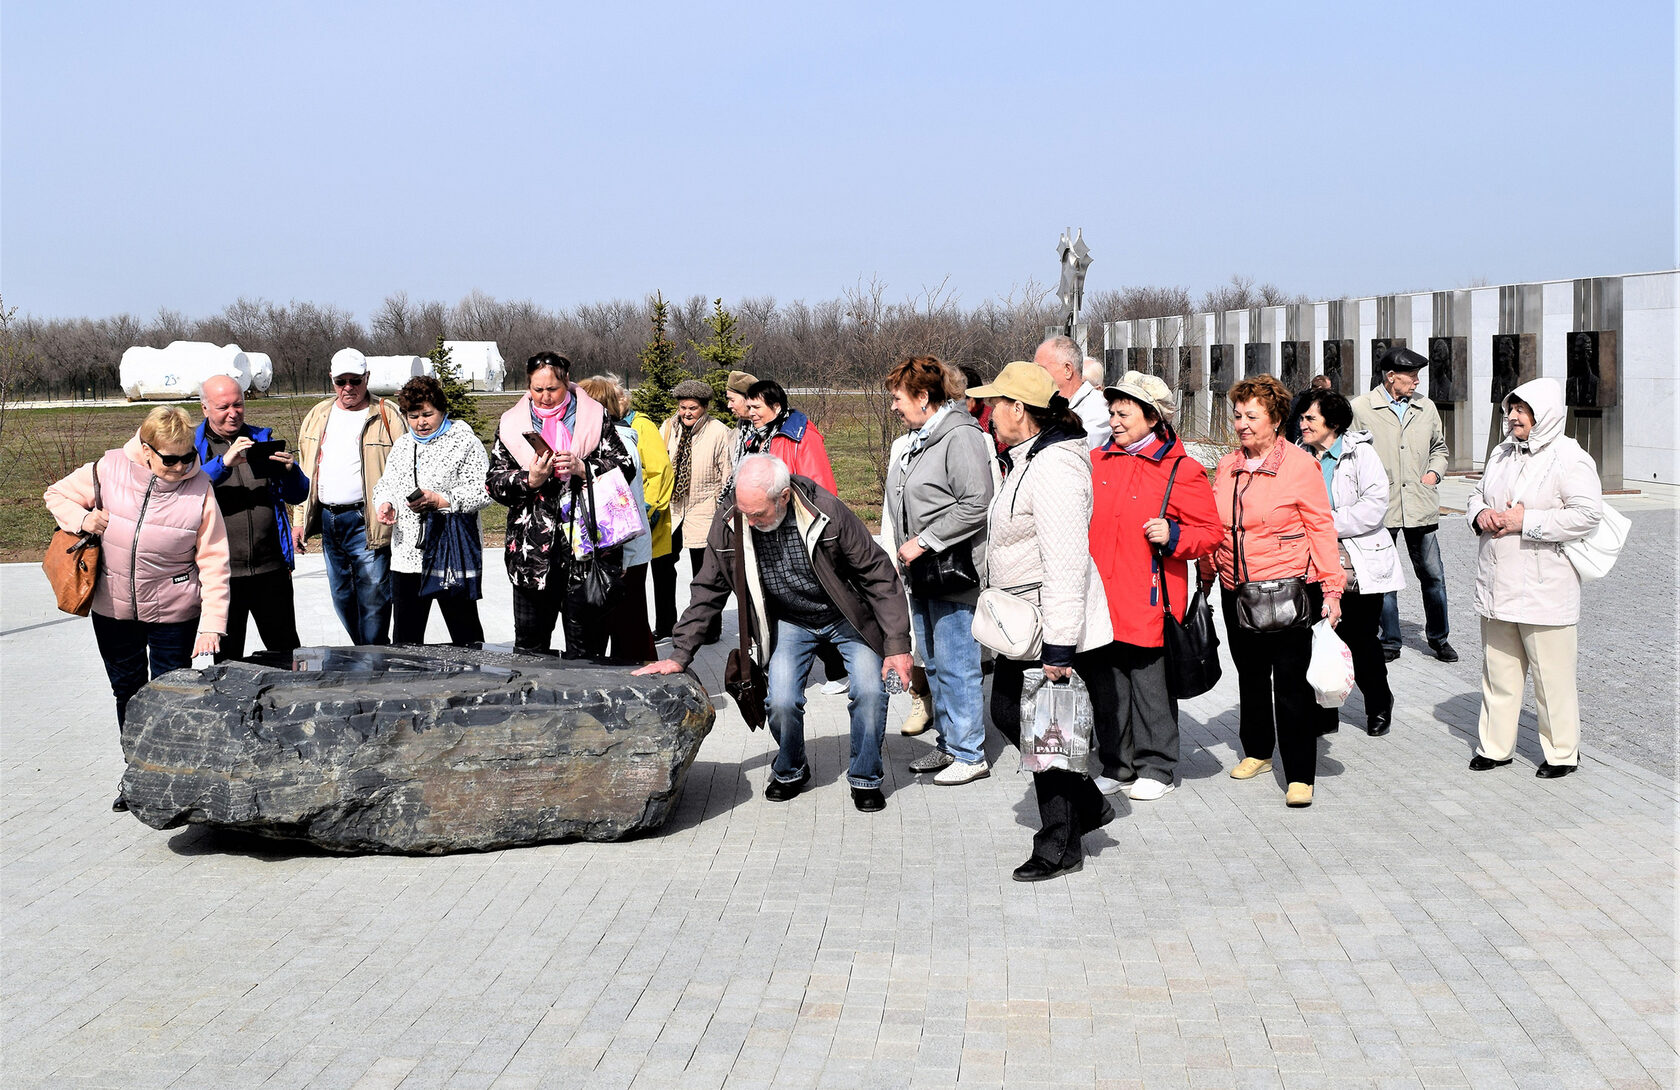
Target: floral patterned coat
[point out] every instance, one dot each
(538, 552)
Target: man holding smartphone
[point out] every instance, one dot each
(255, 480)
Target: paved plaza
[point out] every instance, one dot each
(1418, 926)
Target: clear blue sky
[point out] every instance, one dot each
(183, 154)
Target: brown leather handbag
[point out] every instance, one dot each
(72, 563)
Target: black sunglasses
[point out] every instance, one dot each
(186, 459)
(348, 380)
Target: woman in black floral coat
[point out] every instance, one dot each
(541, 488)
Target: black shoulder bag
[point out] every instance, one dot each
(1191, 645)
(595, 582)
(743, 678)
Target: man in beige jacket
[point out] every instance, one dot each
(1407, 435)
(343, 443)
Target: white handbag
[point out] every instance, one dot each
(1595, 554)
(1009, 624)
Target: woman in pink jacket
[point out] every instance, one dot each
(1279, 537)
(162, 586)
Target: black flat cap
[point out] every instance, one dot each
(1402, 359)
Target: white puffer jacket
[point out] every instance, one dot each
(1359, 496)
(1039, 528)
(453, 465)
(1528, 579)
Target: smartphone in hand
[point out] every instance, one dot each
(538, 443)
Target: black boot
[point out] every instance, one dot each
(1379, 720)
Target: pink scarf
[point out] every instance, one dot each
(553, 422)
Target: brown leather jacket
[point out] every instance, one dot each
(857, 573)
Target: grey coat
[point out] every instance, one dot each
(942, 497)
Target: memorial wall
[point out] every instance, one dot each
(1614, 342)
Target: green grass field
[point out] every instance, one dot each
(40, 446)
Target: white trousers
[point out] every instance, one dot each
(1510, 652)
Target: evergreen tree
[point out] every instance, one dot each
(461, 405)
(723, 351)
(662, 368)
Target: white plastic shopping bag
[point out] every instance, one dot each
(1330, 672)
(1056, 721)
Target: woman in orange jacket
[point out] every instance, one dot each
(1138, 548)
(1279, 538)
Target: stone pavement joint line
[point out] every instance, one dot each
(1418, 926)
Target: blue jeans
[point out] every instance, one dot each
(1432, 578)
(951, 657)
(789, 665)
(124, 646)
(359, 577)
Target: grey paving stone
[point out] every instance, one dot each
(1418, 926)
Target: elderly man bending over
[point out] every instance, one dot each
(814, 575)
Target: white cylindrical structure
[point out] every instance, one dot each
(479, 363)
(262, 372)
(176, 372)
(386, 374)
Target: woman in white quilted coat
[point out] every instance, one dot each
(445, 463)
(1038, 529)
(1358, 486)
(1538, 491)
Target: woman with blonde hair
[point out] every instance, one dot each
(629, 638)
(161, 592)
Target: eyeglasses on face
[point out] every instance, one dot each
(347, 380)
(173, 460)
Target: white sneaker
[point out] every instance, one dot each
(835, 688)
(1108, 785)
(1144, 789)
(962, 772)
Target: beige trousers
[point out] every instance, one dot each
(1509, 653)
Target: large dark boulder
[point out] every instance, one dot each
(413, 749)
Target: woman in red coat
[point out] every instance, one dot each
(1136, 548)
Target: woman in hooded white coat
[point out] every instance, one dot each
(1538, 491)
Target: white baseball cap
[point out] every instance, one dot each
(348, 361)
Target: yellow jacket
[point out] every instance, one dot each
(658, 479)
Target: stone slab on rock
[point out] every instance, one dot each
(413, 749)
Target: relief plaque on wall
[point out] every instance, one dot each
(1449, 369)
(1114, 364)
(1257, 360)
(1590, 382)
(1137, 359)
(1341, 365)
(1189, 368)
(1158, 363)
(1295, 364)
(1379, 345)
(1222, 366)
(1516, 360)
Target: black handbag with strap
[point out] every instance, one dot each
(596, 582)
(942, 574)
(1191, 646)
(743, 678)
